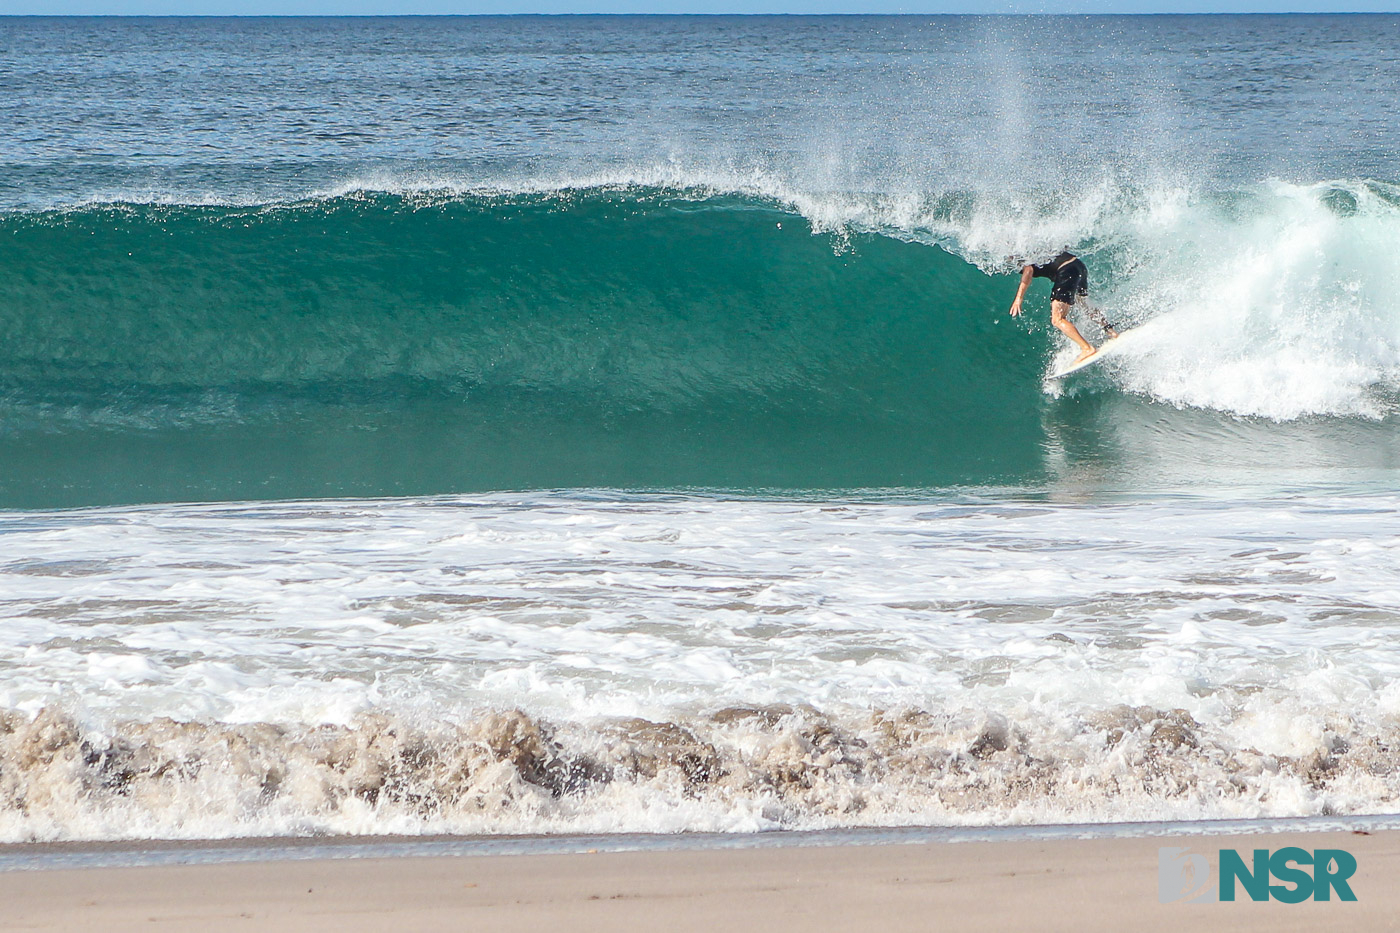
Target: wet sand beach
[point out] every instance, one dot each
(1058, 884)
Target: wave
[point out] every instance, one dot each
(717, 333)
(738, 769)
(627, 301)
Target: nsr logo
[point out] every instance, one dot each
(1184, 876)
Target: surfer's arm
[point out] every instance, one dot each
(1026, 274)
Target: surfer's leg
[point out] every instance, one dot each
(1058, 312)
(1098, 318)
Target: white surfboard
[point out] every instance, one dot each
(1108, 348)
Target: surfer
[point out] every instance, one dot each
(1071, 281)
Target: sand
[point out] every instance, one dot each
(1093, 884)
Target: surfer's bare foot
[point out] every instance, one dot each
(1084, 356)
(1110, 332)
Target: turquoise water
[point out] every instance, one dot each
(626, 339)
(268, 259)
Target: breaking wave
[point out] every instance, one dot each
(736, 769)
(722, 334)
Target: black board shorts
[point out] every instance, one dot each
(1071, 281)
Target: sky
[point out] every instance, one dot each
(380, 7)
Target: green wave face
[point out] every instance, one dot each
(383, 345)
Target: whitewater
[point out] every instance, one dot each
(512, 425)
(611, 663)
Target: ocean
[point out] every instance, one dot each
(607, 424)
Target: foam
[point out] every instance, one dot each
(735, 769)
(692, 663)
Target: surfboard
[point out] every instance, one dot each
(1108, 348)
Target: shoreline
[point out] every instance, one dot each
(1104, 881)
(149, 853)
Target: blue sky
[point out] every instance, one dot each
(373, 7)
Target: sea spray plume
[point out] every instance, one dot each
(1280, 303)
